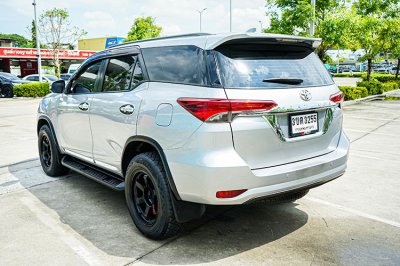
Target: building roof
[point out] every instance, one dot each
(210, 41)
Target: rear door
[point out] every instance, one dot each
(305, 123)
(114, 110)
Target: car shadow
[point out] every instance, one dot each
(100, 215)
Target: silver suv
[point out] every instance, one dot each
(183, 122)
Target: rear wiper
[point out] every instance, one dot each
(290, 81)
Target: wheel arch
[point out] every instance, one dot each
(139, 144)
(44, 120)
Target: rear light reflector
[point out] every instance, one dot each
(230, 193)
(337, 97)
(220, 110)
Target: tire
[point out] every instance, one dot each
(285, 198)
(148, 197)
(50, 157)
(7, 92)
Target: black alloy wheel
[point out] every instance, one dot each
(45, 149)
(148, 197)
(49, 154)
(7, 92)
(145, 198)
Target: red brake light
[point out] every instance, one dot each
(207, 109)
(230, 193)
(337, 97)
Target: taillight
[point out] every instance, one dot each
(337, 97)
(229, 193)
(221, 110)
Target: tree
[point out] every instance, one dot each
(143, 28)
(294, 16)
(55, 28)
(371, 32)
(33, 33)
(391, 34)
(367, 34)
(20, 41)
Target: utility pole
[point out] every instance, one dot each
(230, 15)
(200, 13)
(261, 27)
(39, 59)
(312, 26)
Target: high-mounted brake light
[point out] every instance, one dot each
(230, 193)
(337, 97)
(221, 110)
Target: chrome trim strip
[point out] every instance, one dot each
(272, 119)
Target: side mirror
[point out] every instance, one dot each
(58, 86)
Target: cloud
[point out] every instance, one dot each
(100, 18)
(94, 20)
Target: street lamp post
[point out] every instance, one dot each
(230, 15)
(39, 59)
(312, 19)
(200, 13)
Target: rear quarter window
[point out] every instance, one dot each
(177, 64)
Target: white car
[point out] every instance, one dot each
(45, 78)
(183, 122)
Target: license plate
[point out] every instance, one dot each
(303, 124)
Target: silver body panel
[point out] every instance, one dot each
(254, 151)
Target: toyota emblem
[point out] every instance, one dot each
(305, 95)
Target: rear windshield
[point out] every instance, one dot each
(270, 66)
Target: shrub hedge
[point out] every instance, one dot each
(380, 77)
(348, 75)
(33, 89)
(373, 86)
(352, 93)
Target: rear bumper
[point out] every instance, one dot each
(198, 178)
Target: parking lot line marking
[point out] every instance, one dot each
(375, 129)
(374, 133)
(368, 118)
(358, 213)
(69, 239)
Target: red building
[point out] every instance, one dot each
(25, 59)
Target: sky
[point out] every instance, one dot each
(114, 17)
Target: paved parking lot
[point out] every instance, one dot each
(354, 220)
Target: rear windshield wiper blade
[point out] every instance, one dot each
(290, 81)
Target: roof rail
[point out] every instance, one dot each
(163, 38)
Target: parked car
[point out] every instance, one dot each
(393, 70)
(183, 122)
(65, 76)
(72, 68)
(45, 78)
(15, 80)
(6, 87)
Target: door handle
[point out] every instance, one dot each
(84, 106)
(127, 109)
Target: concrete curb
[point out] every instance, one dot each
(372, 97)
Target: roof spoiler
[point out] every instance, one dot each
(213, 43)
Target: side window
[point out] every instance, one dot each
(119, 73)
(178, 64)
(86, 81)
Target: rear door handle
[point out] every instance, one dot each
(84, 106)
(127, 109)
